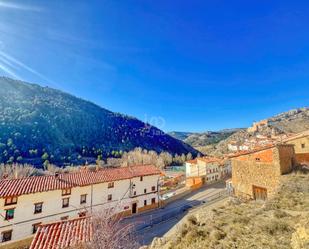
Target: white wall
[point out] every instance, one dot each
(24, 216)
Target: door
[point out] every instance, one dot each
(259, 193)
(134, 208)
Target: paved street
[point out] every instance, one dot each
(172, 213)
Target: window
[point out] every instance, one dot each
(145, 202)
(153, 188)
(10, 201)
(145, 191)
(35, 227)
(134, 193)
(83, 199)
(38, 207)
(82, 214)
(66, 191)
(303, 146)
(7, 236)
(110, 185)
(109, 197)
(153, 200)
(141, 179)
(257, 159)
(65, 202)
(9, 214)
(64, 218)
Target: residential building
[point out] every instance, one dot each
(205, 170)
(28, 202)
(256, 174)
(301, 146)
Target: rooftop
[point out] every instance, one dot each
(34, 184)
(62, 234)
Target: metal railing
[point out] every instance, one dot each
(179, 210)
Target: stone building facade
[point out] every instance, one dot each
(256, 174)
(301, 146)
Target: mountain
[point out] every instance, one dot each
(293, 121)
(196, 139)
(39, 123)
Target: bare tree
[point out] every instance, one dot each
(108, 232)
(15, 171)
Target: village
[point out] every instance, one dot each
(55, 211)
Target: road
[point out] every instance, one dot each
(157, 222)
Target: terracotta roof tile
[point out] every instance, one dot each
(63, 234)
(34, 184)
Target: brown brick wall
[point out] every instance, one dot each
(263, 156)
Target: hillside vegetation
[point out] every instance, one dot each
(203, 138)
(39, 124)
(280, 223)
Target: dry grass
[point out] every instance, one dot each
(282, 222)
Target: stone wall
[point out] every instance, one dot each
(286, 158)
(245, 174)
(261, 169)
(298, 142)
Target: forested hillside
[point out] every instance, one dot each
(39, 124)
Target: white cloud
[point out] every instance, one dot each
(13, 62)
(17, 6)
(8, 71)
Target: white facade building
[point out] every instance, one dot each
(26, 203)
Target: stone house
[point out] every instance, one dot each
(256, 174)
(301, 146)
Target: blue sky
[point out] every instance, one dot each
(184, 65)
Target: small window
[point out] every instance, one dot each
(82, 214)
(153, 188)
(109, 197)
(141, 178)
(65, 202)
(64, 218)
(134, 193)
(145, 202)
(303, 146)
(111, 185)
(7, 236)
(38, 208)
(153, 200)
(66, 191)
(83, 199)
(35, 227)
(145, 191)
(10, 201)
(9, 214)
(257, 159)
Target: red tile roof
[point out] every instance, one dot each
(63, 234)
(194, 161)
(34, 184)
